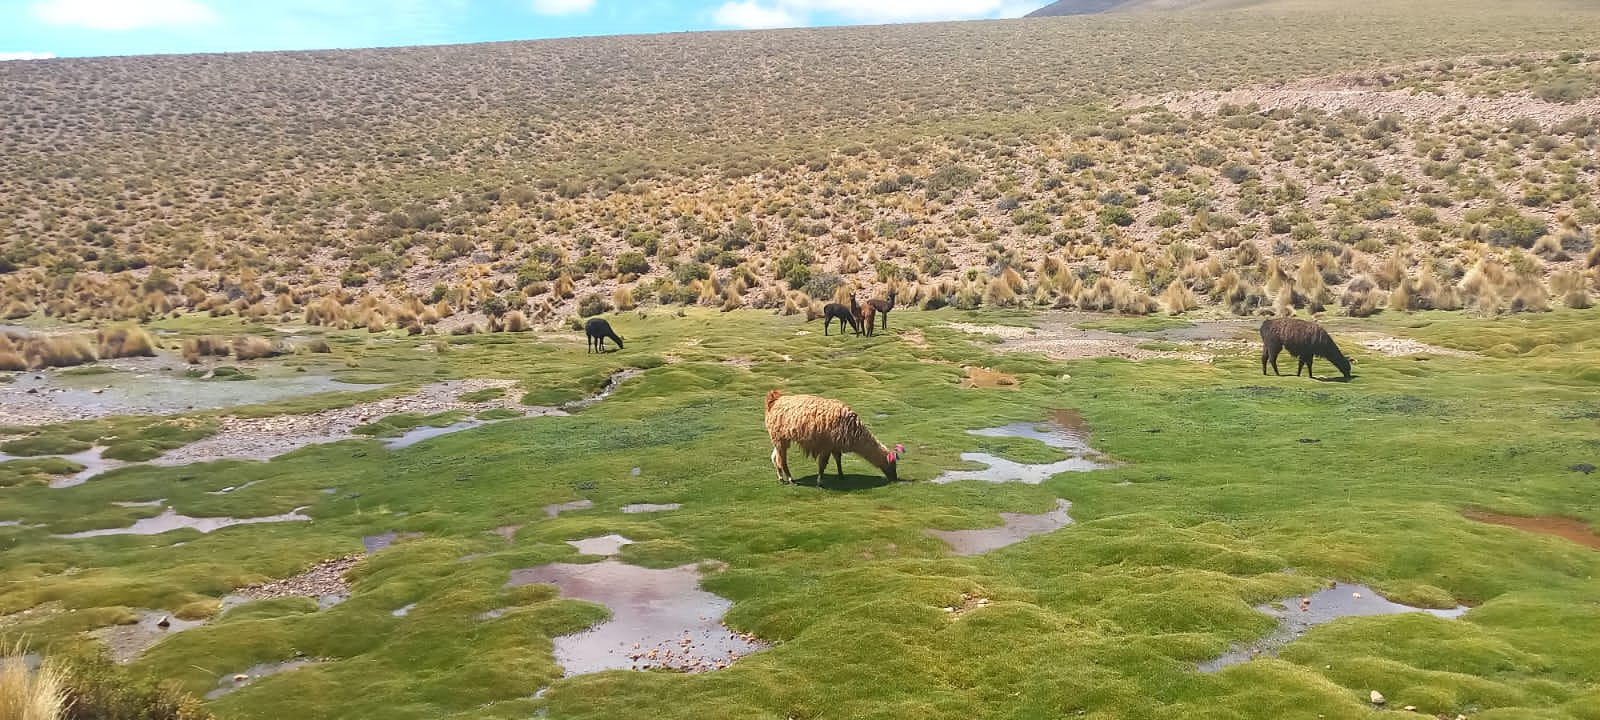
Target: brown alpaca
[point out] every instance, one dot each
(822, 428)
(1304, 340)
(868, 312)
(881, 308)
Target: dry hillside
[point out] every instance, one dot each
(1358, 156)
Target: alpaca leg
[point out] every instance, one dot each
(1309, 372)
(1271, 352)
(780, 459)
(838, 463)
(885, 316)
(822, 468)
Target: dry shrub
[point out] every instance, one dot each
(1481, 287)
(1012, 279)
(563, 286)
(318, 345)
(1242, 296)
(16, 310)
(1571, 287)
(30, 695)
(1362, 298)
(11, 359)
(464, 329)
(205, 346)
(790, 307)
(622, 299)
(443, 309)
(515, 321)
(125, 342)
(1000, 293)
(376, 322)
(58, 351)
(1107, 294)
(1528, 294)
(731, 300)
(1248, 254)
(1179, 299)
(1433, 295)
(1404, 297)
(254, 347)
(327, 312)
(849, 264)
(1392, 272)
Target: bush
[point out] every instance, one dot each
(592, 304)
(254, 347)
(98, 689)
(632, 263)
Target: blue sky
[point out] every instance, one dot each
(75, 28)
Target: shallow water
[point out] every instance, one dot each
(659, 619)
(416, 435)
(403, 610)
(171, 520)
(606, 545)
(1015, 528)
(93, 465)
(1561, 527)
(1294, 619)
(374, 543)
(126, 642)
(554, 510)
(615, 381)
(157, 392)
(228, 684)
(1070, 434)
(637, 508)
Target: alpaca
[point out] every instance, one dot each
(882, 308)
(823, 428)
(598, 330)
(1304, 340)
(846, 315)
(868, 314)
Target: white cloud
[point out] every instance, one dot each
(122, 14)
(25, 56)
(562, 7)
(751, 15)
(789, 13)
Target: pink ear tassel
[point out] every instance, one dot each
(899, 448)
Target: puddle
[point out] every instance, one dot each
(93, 465)
(606, 545)
(494, 614)
(171, 520)
(554, 510)
(637, 508)
(374, 543)
(230, 683)
(126, 642)
(659, 619)
(327, 601)
(404, 611)
(417, 435)
(1294, 619)
(1067, 432)
(1561, 527)
(1016, 527)
(615, 381)
(984, 378)
(509, 532)
(232, 488)
(151, 503)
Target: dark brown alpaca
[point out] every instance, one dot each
(881, 308)
(851, 315)
(1304, 340)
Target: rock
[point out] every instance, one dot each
(1377, 698)
(1410, 708)
(241, 677)
(164, 622)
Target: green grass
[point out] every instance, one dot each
(1106, 617)
(484, 395)
(1132, 325)
(400, 424)
(34, 471)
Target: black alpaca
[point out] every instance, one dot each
(1304, 340)
(881, 308)
(850, 315)
(598, 330)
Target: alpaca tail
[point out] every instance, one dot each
(772, 397)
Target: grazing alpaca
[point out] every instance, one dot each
(882, 308)
(846, 315)
(1304, 340)
(823, 428)
(598, 330)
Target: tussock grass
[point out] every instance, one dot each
(30, 695)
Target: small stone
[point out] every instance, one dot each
(1377, 698)
(164, 622)
(1356, 595)
(1410, 708)
(241, 677)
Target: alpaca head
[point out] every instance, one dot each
(1340, 361)
(891, 459)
